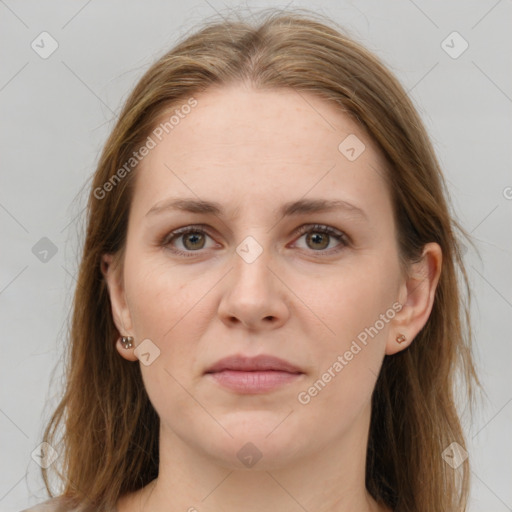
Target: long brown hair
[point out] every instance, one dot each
(109, 444)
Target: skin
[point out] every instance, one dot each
(299, 300)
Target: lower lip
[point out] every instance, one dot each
(254, 382)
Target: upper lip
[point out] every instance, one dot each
(262, 362)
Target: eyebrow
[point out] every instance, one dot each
(298, 207)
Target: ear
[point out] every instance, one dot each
(112, 272)
(417, 298)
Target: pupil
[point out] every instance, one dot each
(194, 238)
(317, 237)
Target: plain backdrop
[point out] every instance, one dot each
(57, 110)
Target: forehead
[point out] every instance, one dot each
(269, 145)
(287, 121)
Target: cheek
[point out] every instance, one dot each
(357, 310)
(161, 298)
(171, 306)
(166, 308)
(355, 298)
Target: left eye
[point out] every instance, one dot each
(321, 236)
(193, 238)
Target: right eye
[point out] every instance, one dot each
(192, 239)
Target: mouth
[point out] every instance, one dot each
(253, 374)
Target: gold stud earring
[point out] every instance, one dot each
(401, 338)
(127, 341)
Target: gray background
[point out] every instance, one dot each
(56, 113)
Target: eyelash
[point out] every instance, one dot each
(308, 228)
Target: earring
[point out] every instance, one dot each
(401, 338)
(127, 341)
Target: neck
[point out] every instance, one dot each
(331, 479)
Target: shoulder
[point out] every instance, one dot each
(58, 504)
(52, 505)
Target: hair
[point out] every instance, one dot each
(110, 437)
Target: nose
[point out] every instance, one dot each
(254, 296)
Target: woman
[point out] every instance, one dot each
(269, 313)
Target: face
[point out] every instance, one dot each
(318, 288)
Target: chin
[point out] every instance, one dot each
(261, 441)
(256, 455)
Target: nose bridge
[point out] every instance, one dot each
(251, 262)
(252, 294)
